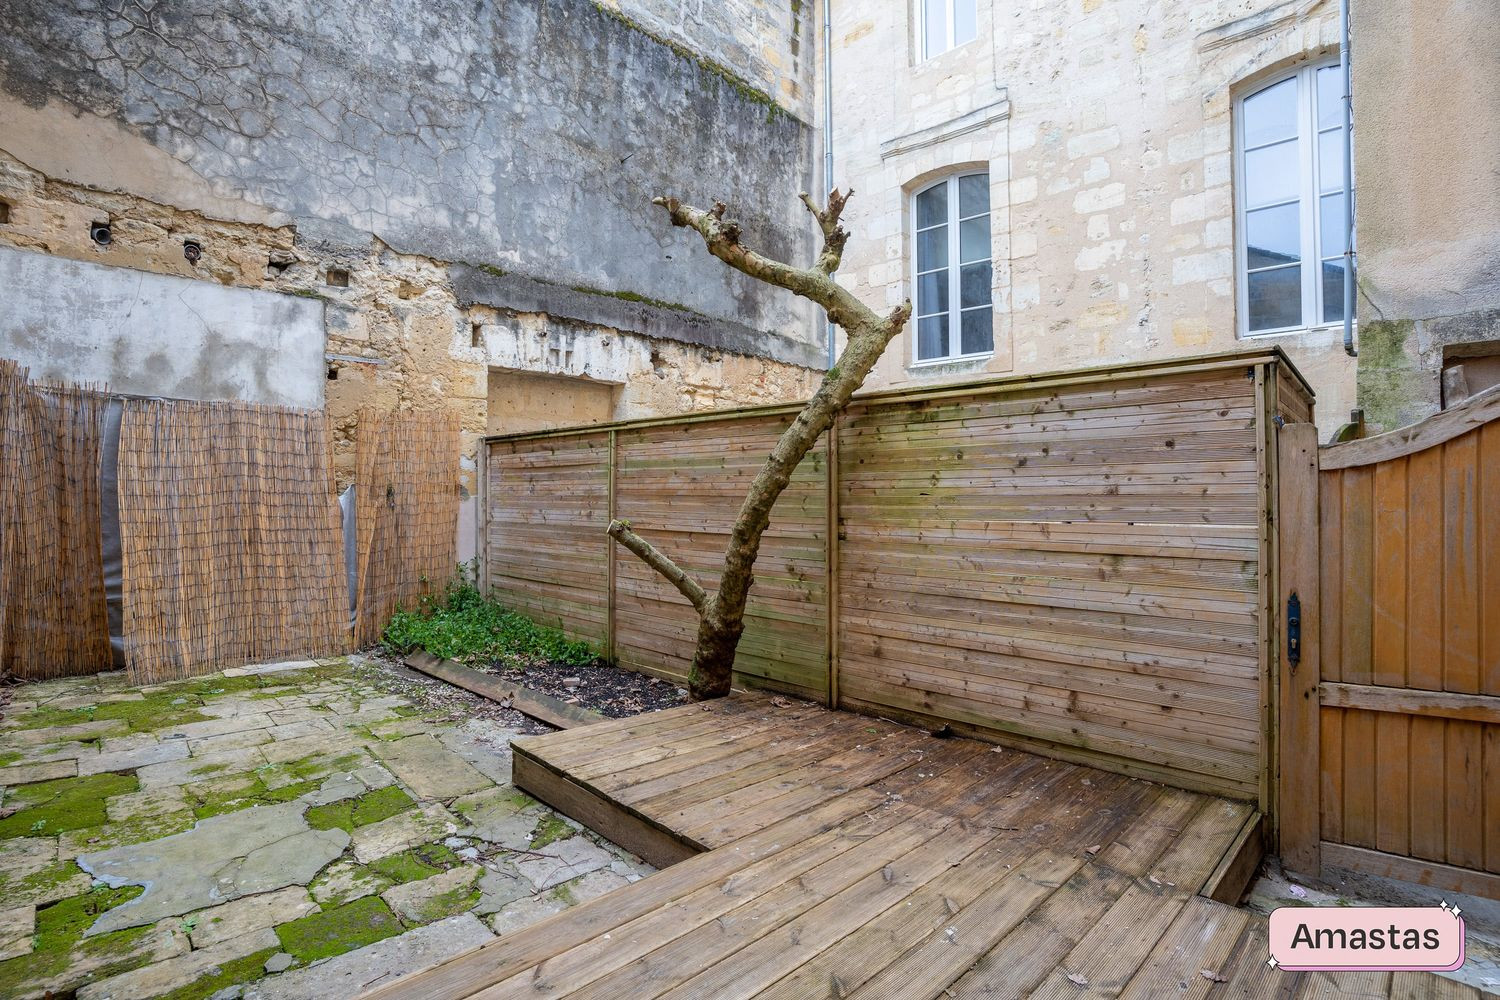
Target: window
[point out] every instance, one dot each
(1291, 202)
(952, 224)
(946, 24)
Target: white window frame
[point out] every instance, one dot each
(955, 294)
(1310, 214)
(949, 42)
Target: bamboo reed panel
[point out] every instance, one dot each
(1410, 576)
(406, 502)
(1073, 565)
(53, 612)
(230, 537)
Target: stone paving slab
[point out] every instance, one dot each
(408, 829)
(248, 915)
(430, 769)
(27, 774)
(17, 924)
(174, 973)
(129, 760)
(351, 974)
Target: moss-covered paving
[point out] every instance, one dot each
(45, 824)
(339, 929)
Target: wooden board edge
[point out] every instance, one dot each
(1411, 701)
(1441, 427)
(1365, 861)
(610, 820)
(1043, 747)
(537, 705)
(1239, 864)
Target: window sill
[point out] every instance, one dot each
(963, 362)
(1299, 331)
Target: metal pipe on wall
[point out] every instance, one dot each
(1348, 105)
(828, 138)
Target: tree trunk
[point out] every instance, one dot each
(721, 616)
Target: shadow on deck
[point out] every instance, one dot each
(823, 854)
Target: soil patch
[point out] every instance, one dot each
(610, 691)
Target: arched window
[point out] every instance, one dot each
(952, 255)
(1289, 195)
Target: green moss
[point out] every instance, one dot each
(10, 757)
(38, 884)
(739, 84)
(340, 929)
(633, 297)
(447, 904)
(135, 830)
(550, 830)
(232, 973)
(415, 864)
(372, 807)
(60, 944)
(217, 796)
(52, 807)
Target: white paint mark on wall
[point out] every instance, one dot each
(157, 335)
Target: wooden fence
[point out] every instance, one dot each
(1404, 752)
(53, 612)
(1080, 563)
(406, 503)
(230, 539)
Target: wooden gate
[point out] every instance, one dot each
(1390, 737)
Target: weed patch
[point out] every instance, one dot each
(462, 625)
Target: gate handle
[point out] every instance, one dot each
(1294, 630)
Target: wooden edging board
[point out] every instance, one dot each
(539, 706)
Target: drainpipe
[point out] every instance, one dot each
(1348, 103)
(828, 135)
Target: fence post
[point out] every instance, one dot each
(609, 557)
(1298, 724)
(831, 560)
(482, 519)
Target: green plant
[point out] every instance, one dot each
(461, 624)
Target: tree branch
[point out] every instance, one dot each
(722, 237)
(652, 556)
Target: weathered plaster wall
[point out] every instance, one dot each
(1106, 129)
(1428, 216)
(457, 183)
(768, 43)
(155, 334)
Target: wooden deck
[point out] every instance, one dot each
(824, 854)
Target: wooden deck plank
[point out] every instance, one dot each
(848, 857)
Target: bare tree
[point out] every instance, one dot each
(721, 615)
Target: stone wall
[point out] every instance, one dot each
(1106, 129)
(459, 187)
(1425, 91)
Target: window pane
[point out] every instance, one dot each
(973, 195)
(1331, 225)
(1271, 174)
(932, 206)
(974, 285)
(932, 249)
(1330, 97)
(1271, 114)
(932, 293)
(1331, 160)
(965, 25)
(1333, 291)
(1273, 236)
(974, 239)
(1275, 298)
(935, 29)
(932, 337)
(976, 335)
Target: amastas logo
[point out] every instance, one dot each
(1397, 938)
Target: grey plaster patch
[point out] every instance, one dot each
(221, 858)
(365, 968)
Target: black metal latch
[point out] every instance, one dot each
(1294, 630)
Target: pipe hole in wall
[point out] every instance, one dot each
(101, 234)
(338, 277)
(476, 335)
(4, 212)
